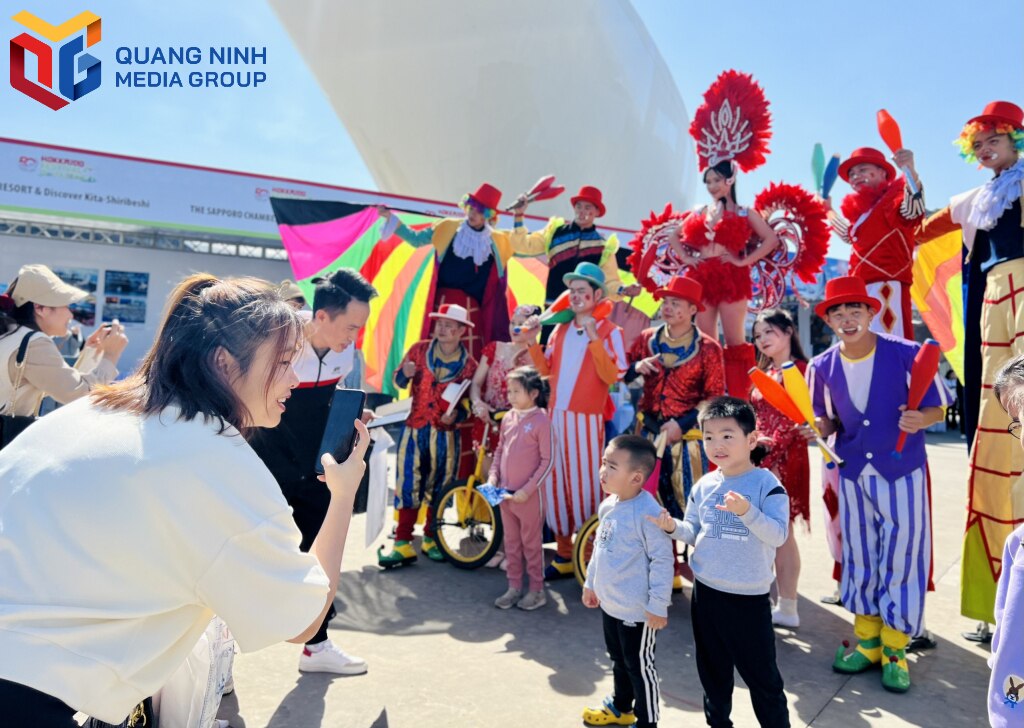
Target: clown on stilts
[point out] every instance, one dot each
(878, 221)
(428, 451)
(989, 218)
(741, 256)
(567, 244)
(583, 358)
(857, 388)
(472, 260)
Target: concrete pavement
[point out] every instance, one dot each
(441, 655)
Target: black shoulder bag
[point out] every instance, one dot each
(13, 425)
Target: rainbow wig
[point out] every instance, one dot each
(470, 201)
(966, 138)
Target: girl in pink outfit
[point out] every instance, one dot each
(521, 462)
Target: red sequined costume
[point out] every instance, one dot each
(788, 455)
(428, 450)
(674, 393)
(722, 281)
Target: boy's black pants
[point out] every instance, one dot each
(631, 647)
(735, 630)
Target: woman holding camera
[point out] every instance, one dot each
(133, 515)
(34, 309)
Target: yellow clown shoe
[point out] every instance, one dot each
(400, 555)
(430, 549)
(868, 652)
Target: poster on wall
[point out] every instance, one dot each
(88, 280)
(124, 296)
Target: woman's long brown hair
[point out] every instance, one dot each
(205, 314)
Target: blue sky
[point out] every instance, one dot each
(827, 67)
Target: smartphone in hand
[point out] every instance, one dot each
(340, 434)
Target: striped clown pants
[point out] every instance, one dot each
(886, 538)
(428, 459)
(572, 491)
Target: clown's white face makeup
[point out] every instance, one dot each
(582, 297)
(678, 313)
(994, 151)
(586, 212)
(850, 321)
(866, 175)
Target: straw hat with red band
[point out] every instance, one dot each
(591, 195)
(847, 289)
(684, 288)
(486, 196)
(1001, 112)
(866, 155)
(453, 312)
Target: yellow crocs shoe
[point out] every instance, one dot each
(608, 714)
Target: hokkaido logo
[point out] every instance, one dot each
(60, 58)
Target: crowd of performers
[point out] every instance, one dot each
(709, 268)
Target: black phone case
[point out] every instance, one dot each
(340, 434)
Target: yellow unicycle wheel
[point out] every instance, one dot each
(583, 547)
(467, 528)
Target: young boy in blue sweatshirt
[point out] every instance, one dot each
(630, 578)
(736, 517)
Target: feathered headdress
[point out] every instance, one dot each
(733, 123)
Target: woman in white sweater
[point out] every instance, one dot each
(130, 517)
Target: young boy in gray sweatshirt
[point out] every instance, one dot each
(630, 578)
(736, 517)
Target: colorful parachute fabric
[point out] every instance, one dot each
(321, 237)
(938, 294)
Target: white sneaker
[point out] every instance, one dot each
(781, 619)
(331, 659)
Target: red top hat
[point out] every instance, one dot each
(684, 288)
(847, 289)
(1002, 112)
(866, 155)
(487, 196)
(591, 195)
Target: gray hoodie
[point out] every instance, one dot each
(734, 553)
(632, 566)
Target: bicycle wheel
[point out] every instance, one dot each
(467, 528)
(583, 548)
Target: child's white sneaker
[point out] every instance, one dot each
(785, 614)
(532, 600)
(508, 599)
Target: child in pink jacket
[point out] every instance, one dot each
(521, 462)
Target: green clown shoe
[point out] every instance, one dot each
(866, 655)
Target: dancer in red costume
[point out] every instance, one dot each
(741, 256)
(778, 343)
